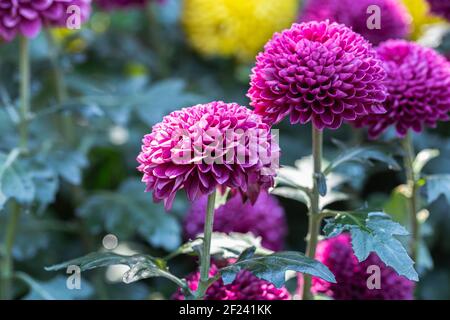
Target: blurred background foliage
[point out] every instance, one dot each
(123, 71)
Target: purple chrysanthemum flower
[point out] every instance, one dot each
(440, 8)
(418, 82)
(120, 4)
(245, 287)
(317, 71)
(351, 276)
(265, 218)
(207, 146)
(394, 17)
(27, 17)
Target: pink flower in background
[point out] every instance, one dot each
(351, 276)
(245, 287)
(264, 218)
(418, 82)
(394, 17)
(206, 146)
(120, 4)
(28, 17)
(317, 71)
(440, 8)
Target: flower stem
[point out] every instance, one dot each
(60, 85)
(314, 212)
(206, 256)
(7, 266)
(413, 205)
(24, 108)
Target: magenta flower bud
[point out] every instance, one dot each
(317, 71)
(206, 146)
(245, 287)
(27, 18)
(418, 83)
(394, 19)
(351, 276)
(264, 218)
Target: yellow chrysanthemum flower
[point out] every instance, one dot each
(237, 28)
(420, 13)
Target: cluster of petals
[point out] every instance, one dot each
(440, 8)
(394, 19)
(418, 83)
(317, 71)
(206, 146)
(245, 287)
(28, 17)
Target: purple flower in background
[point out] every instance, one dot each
(440, 8)
(394, 17)
(28, 17)
(120, 4)
(351, 276)
(265, 218)
(317, 71)
(245, 287)
(418, 82)
(206, 146)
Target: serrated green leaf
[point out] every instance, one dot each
(375, 232)
(422, 158)
(437, 185)
(364, 155)
(273, 267)
(141, 266)
(292, 193)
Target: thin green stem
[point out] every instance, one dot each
(7, 266)
(413, 205)
(24, 109)
(60, 85)
(314, 217)
(206, 255)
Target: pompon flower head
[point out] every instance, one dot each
(440, 8)
(317, 71)
(421, 15)
(28, 17)
(120, 4)
(233, 28)
(245, 287)
(264, 218)
(206, 146)
(394, 18)
(418, 82)
(351, 276)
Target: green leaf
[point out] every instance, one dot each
(55, 289)
(296, 182)
(226, 245)
(15, 180)
(68, 164)
(422, 158)
(292, 193)
(141, 266)
(375, 232)
(364, 155)
(222, 198)
(273, 267)
(129, 211)
(436, 185)
(398, 204)
(162, 98)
